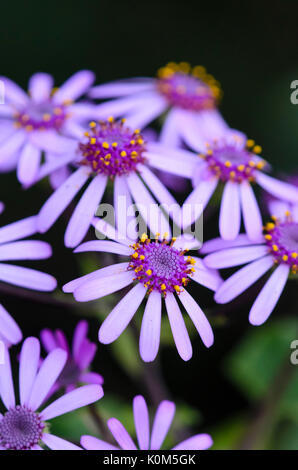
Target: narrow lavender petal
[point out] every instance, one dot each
(99, 273)
(279, 189)
(161, 193)
(46, 377)
(104, 245)
(6, 383)
(123, 106)
(170, 135)
(251, 212)
(57, 164)
(230, 214)
(28, 164)
(162, 423)
(60, 199)
(28, 249)
(196, 202)
(141, 420)
(198, 442)
(93, 443)
(76, 86)
(25, 277)
(80, 334)
(121, 88)
(121, 435)
(74, 129)
(29, 362)
(20, 229)
(92, 378)
(56, 443)
(6, 111)
(122, 204)
(87, 353)
(78, 398)
(51, 141)
(198, 318)
(209, 278)
(170, 163)
(279, 208)
(109, 231)
(13, 93)
(269, 295)
(190, 131)
(235, 256)
(151, 213)
(81, 111)
(150, 329)
(12, 145)
(97, 288)
(217, 244)
(9, 328)
(40, 87)
(48, 340)
(121, 315)
(85, 210)
(148, 113)
(242, 279)
(57, 177)
(179, 331)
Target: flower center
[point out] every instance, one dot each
(20, 429)
(282, 240)
(160, 266)
(41, 116)
(231, 161)
(188, 88)
(112, 148)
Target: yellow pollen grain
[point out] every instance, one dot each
(92, 124)
(241, 167)
(144, 237)
(228, 164)
(123, 153)
(86, 134)
(93, 140)
(274, 247)
(132, 142)
(135, 255)
(149, 272)
(142, 257)
(105, 145)
(268, 237)
(294, 255)
(46, 117)
(114, 144)
(111, 119)
(257, 149)
(250, 143)
(163, 287)
(177, 288)
(285, 257)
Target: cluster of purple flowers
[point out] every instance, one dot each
(86, 147)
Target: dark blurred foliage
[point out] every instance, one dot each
(251, 48)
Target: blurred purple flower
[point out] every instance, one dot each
(234, 161)
(188, 95)
(112, 151)
(43, 121)
(146, 441)
(161, 269)
(22, 427)
(278, 249)
(79, 357)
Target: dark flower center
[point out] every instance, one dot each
(282, 240)
(20, 429)
(160, 266)
(188, 88)
(112, 148)
(231, 161)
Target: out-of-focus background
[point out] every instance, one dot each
(243, 390)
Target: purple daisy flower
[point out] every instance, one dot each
(79, 357)
(277, 249)
(188, 94)
(22, 426)
(112, 151)
(40, 122)
(146, 441)
(234, 161)
(159, 269)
